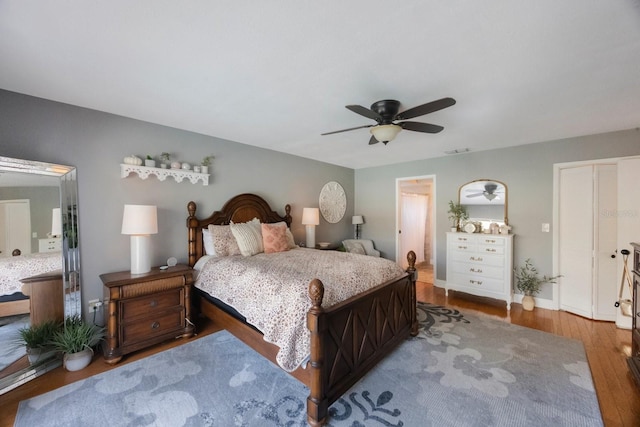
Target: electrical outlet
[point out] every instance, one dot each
(95, 304)
(545, 227)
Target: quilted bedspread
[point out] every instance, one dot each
(14, 268)
(271, 290)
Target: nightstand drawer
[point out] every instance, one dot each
(144, 329)
(149, 304)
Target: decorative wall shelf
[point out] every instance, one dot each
(162, 174)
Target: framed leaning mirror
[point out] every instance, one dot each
(486, 201)
(39, 260)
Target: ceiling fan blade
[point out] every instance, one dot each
(359, 109)
(427, 108)
(345, 130)
(373, 140)
(475, 195)
(421, 127)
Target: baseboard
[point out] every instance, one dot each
(540, 302)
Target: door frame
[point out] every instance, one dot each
(432, 231)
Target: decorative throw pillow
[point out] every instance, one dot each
(248, 236)
(224, 244)
(290, 241)
(354, 247)
(274, 238)
(207, 240)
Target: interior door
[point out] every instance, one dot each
(605, 242)
(15, 226)
(575, 240)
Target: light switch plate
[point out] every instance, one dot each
(545, 227)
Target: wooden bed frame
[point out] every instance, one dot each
(347, 339)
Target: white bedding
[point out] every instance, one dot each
(14, 268)
(271, 290)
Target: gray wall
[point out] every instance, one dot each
(96, 143)
(527, 171)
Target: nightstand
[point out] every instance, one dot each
(145, 309)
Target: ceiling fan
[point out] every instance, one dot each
(489, 192)
(386, 114)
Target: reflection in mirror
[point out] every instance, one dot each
(486, 201)
(39, 260)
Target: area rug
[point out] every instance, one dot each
(461, 370)
(10, 349)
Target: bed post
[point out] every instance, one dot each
(192, 227)
(411, 259)
(317, 402)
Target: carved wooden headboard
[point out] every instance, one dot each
(241, 208)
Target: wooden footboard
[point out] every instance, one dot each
(348, 339)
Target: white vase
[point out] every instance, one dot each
(204, 169)
(528, 302)
(77, 361)
(150, 163)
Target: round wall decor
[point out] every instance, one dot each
(333, 202)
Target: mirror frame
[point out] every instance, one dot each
(506, 196)
(70, 252)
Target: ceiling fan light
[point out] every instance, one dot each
(489, 196)
(385, 132)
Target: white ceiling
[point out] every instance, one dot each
(277, 74)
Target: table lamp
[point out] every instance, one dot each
(140, 221)
(311, 218)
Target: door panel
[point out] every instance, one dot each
(606, 242)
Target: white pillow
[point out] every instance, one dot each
(207, 240)
(248, 236)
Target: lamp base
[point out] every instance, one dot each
(140, 250)
(311, 236)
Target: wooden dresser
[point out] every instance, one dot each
(480, 264)
(634, 360)
(145, 309)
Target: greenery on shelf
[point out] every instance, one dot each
(527, 279)
(457, 213)
(77, 335)
(206, 161)
(165, 157)
(38, 336)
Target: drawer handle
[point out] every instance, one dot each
(477, 282)
(462, 247)
(475, 259)
(489, 241)
(473, 270)
(490, 250)
(153, 303)
(155, 325)
(462, 239)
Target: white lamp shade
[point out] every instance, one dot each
(140, 220)
(357, 220)
(310, 216)
(56, 222)
(385, 132)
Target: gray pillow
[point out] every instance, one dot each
(354, 247)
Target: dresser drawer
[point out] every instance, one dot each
(150, 327)
(476, 282)
(477, 258)
(478, 270)
(491, 241)
(150, 304)
(487, 249)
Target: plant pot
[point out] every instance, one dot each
(528, 302)
(204, 169)
(150, 163)
(36, 355)
(77, 361)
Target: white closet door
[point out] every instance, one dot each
(15, 225)
(605, 242)
(628, 213)
(575, 240)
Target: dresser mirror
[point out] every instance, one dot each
(486, 201)
(38, 238)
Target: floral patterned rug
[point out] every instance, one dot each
(461, 370)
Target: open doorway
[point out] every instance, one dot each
(415, 223)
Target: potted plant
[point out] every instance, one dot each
(165, 158)
(529, 283)
(457, 213)
(76, 340)
(149, 162)
(37, 340)
(206, 161)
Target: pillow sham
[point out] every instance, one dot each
(248, 237)
(354, 247)
(207, 240)
(224, 243)
(274, 238)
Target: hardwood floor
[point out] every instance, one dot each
(606, 346)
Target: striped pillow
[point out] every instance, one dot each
(248, 236)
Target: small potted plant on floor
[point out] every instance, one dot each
(37, 340)
(76, 340)
(529, 283)
(457, 213)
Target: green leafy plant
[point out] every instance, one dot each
(528, 281)
(457, 213)
(165, 157)
(206, 161)
(38, 336)
(77, 335)
(149, 157)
